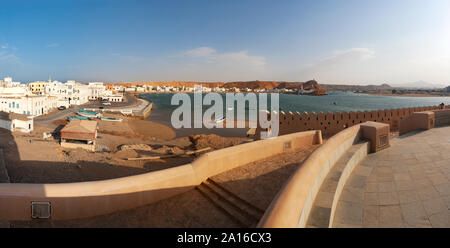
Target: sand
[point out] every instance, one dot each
(257, 182)
(30, 159)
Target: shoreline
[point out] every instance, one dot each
(404, 95)
(164, 118)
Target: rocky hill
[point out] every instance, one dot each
(268, 85)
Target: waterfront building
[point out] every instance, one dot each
(112, 97)
(130, 89)
(96, 90)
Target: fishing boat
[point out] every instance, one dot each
(219, 120)
(110, 119)
(89, 114)
(78, 118)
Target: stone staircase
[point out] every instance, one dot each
(238, 209)
(324, 205)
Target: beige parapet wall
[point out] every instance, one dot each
(293, 203)
(442, 117)
(425, 120)
(417, 121)
(332, 123)
(87, 199)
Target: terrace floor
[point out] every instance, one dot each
(406, 185)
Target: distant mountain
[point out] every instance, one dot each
(269, 85)
(381, 87)
(419, 85)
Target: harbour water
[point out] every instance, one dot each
(336, 101)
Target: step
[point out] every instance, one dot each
(233, 198)
(240, 216)
(322, 211)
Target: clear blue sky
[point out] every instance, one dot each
(347, 41)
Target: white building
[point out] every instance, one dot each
(96, 90)
(119, 88)
(27, 105)
(14, 91)
(17, 98)
(113, 98)
(70, 93)
(15, 122)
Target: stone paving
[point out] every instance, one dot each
(406, 185)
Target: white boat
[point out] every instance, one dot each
(221, 119)
(88, 114)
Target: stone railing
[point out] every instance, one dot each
(87, 199)
(425, 120)
(332, 123)
(292, 205)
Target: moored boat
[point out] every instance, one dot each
(110, 119)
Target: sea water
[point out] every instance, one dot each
(335, 101)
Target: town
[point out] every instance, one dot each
(40, 98)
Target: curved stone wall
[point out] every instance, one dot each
(292, 205)
(87, 199)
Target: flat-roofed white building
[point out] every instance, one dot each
(16, 122)
(14, 91)
(114, 98)
(27, 105)
(71, 92)
(96, 90)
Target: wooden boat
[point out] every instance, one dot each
(89, 114)
(110, 119)
(78, 118)
(219, 120)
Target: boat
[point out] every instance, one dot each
(78, 118)
(89, 114)
(110, 119)
(221, 119)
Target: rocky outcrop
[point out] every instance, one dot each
(267, 85)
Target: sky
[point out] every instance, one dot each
(334, 42)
